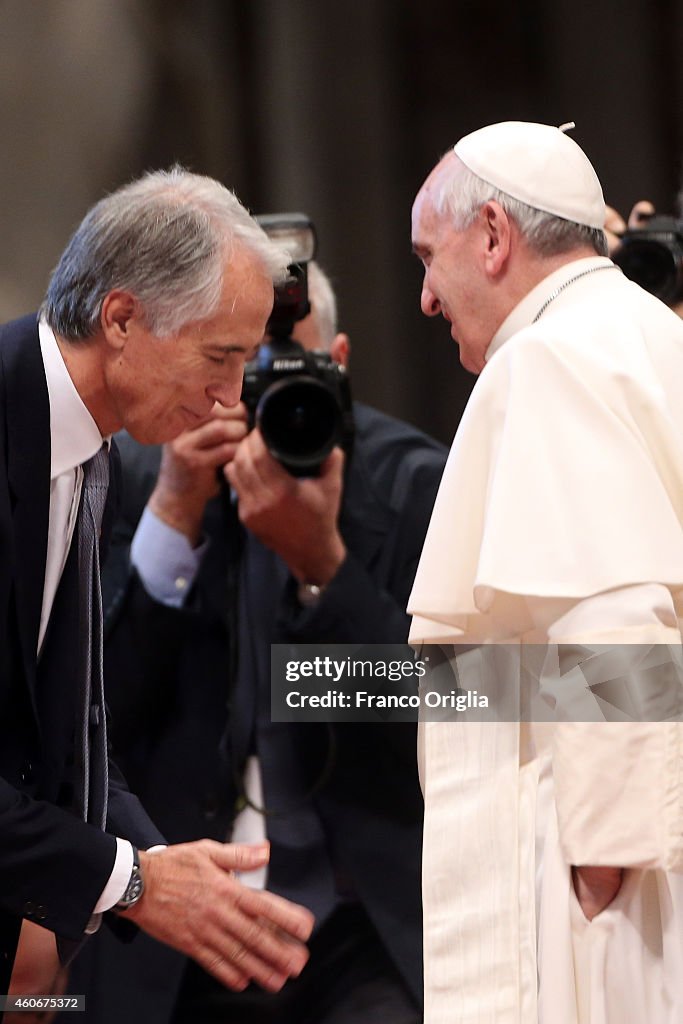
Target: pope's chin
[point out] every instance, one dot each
(468, 360)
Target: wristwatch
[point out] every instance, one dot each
(308, 594)
(135, 887)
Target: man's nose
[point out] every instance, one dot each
(429, 303)
(227, 393)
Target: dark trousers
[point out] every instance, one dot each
(349, 979)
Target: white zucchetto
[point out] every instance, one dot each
(539, 165)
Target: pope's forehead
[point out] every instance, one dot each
(422, 214)
(424, 200)
(448, 163)
(446, 167)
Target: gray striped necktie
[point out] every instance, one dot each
(93, 719)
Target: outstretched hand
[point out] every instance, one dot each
(193, 902)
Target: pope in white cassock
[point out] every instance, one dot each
(553, 857)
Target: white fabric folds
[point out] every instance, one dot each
(569, 416)
(558, 521)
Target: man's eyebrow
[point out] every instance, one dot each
(420, 250)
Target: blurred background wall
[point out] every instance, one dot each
(337, 109)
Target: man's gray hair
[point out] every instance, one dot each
(462, 194)
(165, 238)
(323, 303)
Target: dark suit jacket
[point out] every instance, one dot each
(168, 676)
(53, 867)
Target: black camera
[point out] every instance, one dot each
(653, 257)
(300, 400)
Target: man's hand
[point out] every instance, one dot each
(295, 517)
(596, 887)
(187, 478)
(193, 903)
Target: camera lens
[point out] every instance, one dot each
(300, 421)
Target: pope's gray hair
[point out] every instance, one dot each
(165, 238)
(462, 194)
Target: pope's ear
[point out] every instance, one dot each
(119, 309)
(498, 228)
(340, 350)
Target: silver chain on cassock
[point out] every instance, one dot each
(561, 288)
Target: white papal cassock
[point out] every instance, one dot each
(559, 521)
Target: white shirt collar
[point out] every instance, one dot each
(525, 311)
(74, 435)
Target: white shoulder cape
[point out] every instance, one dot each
(565, 478)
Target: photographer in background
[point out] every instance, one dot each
(194, 604)
(649, 249)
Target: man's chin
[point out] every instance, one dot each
(155, 433)
(161, 431)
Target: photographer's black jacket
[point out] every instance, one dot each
(168, 687)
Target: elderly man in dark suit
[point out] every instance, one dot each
(193, 607)
(158, 300)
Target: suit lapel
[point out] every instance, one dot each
(28, 467)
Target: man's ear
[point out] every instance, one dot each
(119, 309)
(340, 350)
(498, 228)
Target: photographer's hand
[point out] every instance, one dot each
(187, 477)
(295, 517)
(615, 225)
